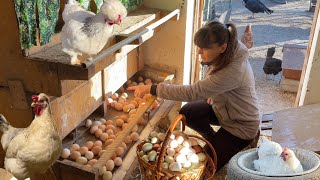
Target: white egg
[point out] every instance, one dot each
(180, 139)
(175, 166)
(186, 164)
(81, 160)
(110, 165)
(65, 153)
(96, 123)
(88, 123)
(184, 150)
(107, 175)
(193, 158)
(118, 161)
(174, 143)
(186, 143)
(171, 152)
(89, 155)
(103, 121)
(180, 158)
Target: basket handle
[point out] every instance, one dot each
(179, 118)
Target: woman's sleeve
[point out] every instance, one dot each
(220, 82)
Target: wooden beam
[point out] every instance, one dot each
(307, 55)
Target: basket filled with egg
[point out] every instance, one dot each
(176, 155)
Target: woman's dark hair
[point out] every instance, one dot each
(216, 32)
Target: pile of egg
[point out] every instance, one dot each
(106, 131)
(182, 153)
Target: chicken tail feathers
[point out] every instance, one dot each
(4, 125)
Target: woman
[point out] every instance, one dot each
(229, 88)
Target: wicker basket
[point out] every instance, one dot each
(154, 171)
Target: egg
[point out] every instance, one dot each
(101, 153)
(114, 155)
(193, 141)
(140, 79)
(102, 120)
(119, 122)
(122, 98)
(156, 147)
(112, 136)
(124, 95)
(161, 136)
(171, 152)
(119, 151)
(134, 136)
(127, 140)
(108, 142)
(178, 148)
(96, 123)
(74, 155)
(175, 166)
(193, 158)
(145, 158)
(109, 122)
(169, 159)
(180, 139)
(137, 99)
(124, 145)
(102, 170)
(74, 147)
(110, 126)
(180, 158)
(96, 150)
(165, 165)
(118, 161)
(107, 175)
(126, 109)
(184, 150)
(65, 153)
(81, 160)
(89, 155)
(103, 127)
(135, 103)
(154, 105)
(142, 121)
(153, 134)
(89, 145)
(174, 143)
(93, 129)
(112, 104)
(92, 162)
(154, 140)
(147, 147)
(118, 106)
(115, 96)
(110, 165)
(186, 143)
(197, 148)
(109, 101)
(97, 143)
(88, 123)
(141, 102)
(186, 164)
(98, 133)
(110, 132)
(83, 150)
(124, 125)
(124, 117)
(104, 137)
(201, 156)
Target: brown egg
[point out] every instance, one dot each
(135, 128)
(96, 150)
(113, 156)
(103, 127)
(109, 101)
(142, 101)
(126, 109)
(110, 126)
(97, 143)
(119, 122)
(124, 125)
(108, 142)
(110, 165)
(89, 155)
(124, 117)
(142, 121)
(127, 140)
(83, 150)
(65, 153)
(109, 122)
(124, 104)
(93, 129)
(134, 136)
(122, 98)
(124, 145)
(154, 104)
(81, 160)
(92, 162)
(110, 132)
(147, 81)
(119, 151)
(118, 106)
(112, 136)
(118, 161)
(197, 148)
(112, 104)
(74, 147)
(98, 133)
(89, 145)
(135, 103)
(115, 96)
(104, 137)
(74, 155)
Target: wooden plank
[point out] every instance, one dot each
(297, 127)
(306, 59)
(72, 108)
(18, 96)
(67, 170)
(130, 157)
(123, 134)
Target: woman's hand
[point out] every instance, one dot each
(140, 91)
(209, 101)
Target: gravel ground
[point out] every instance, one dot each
(290, 23)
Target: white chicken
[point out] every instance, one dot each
(87, 33)
(291, 162)
(34, 149)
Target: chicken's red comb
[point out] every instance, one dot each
(285, 149)
(35, 98)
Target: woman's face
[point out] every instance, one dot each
(209, 55)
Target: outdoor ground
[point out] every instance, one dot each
(290, 23)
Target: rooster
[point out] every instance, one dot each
(272, 65)
(247, 37)
(87, 33)
(34, 149)
(256, 6)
